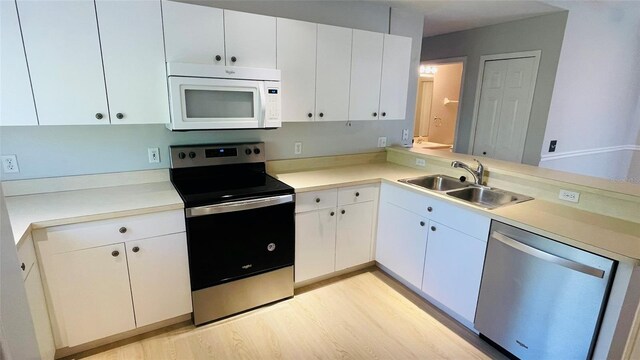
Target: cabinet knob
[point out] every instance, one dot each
(115, 253)
(383, 114)
(309, 115)
(429, 209)
(342, 212)
(135, 249)
(421, 223)
(99, 116)
(122, 230)
(23, 267)
(332, 213)
(433, 228)
(233, 59)
(317, 200)
(374, 114)
(321, 114)
(357, 194)
(218, 57)
(484, 153)
(120, 115)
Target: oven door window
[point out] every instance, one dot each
(219, 104)
(230, 246)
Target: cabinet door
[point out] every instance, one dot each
(353, 237)
(133, 57)
(16, 98)
(315, 244)
(192, 33)
(92, 286)
(366, 69)
(39, 314)
(159, 274)
(453, 269)
(250, 39)
(401, 242)
(63, 52)
(333, 73)
(396, 59)
(297, 64)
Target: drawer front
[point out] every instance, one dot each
(26, 256)
(406, 199)
(357, 194)
(103, 232)
(316, 200)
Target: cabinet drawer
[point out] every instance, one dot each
(26, 256)
(315, 200)
(458, 218)
(357, 194)
(98, 233)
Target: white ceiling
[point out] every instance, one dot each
(443, 17)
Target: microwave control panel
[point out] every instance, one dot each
(272, 90)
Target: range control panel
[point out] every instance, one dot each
(183, 156)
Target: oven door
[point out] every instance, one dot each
(235, 240)
(210, 103)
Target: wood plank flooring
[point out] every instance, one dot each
(366, 315)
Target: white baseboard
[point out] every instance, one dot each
(568, 154)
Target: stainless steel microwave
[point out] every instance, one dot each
(210, 97)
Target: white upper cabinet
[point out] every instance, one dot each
(395, 77)
(333, 73)
(366, 69)
(63, 51)
(16, 98)
(193, 34)
(297, 64)
(133, 57)
(250, 40)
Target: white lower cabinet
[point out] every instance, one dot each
(334, 230)
(453, 269)
(433, 245)
(111, 276)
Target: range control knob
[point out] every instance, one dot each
(192, 154)
(247, 151)
(256, 151)
(182, 155)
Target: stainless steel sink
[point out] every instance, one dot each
(436, 182)
(488, 198)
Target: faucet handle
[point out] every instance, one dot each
(480, 166)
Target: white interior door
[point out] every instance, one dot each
(133, 57)
(505, 105)
(63, 52)
(366, 69)
(297, 64)
(425, 107)
(333, 73)
(16, 98)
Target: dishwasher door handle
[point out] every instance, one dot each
(585, 269)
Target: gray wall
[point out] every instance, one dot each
(48, 151)
(539, 33)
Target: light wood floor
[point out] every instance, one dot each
(363, 316)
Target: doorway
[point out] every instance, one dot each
(437, 109)
(506, 84)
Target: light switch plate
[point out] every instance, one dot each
(297, 148)
(405, 134)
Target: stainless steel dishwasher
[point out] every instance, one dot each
(540, 299)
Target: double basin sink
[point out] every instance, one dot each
(482, 196)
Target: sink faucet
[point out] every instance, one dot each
(477, 173)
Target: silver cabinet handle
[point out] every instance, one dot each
(585, 269)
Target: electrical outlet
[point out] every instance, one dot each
(571, 196)
(382, 141)
(421, 162)
(10, 164)
(297, 148)
(552, 145)
(405, 134)
(154, 155)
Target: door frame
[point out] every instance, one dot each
(444, 61)
(504, 56)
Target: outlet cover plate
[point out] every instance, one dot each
(421, 162)
(571, 196)
(10, 164)
(154, 155)
(297, 148)
(382, 141)
(405, 134)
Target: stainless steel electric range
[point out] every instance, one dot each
(240, 228)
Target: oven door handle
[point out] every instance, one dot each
(239, 205)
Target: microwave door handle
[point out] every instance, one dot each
(263, 105)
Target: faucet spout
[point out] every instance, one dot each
(478, 173)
